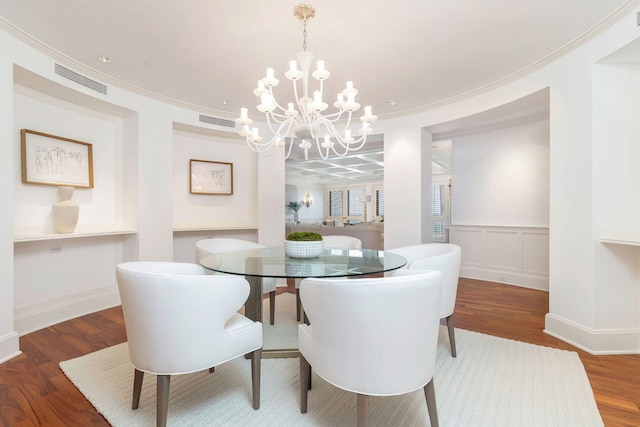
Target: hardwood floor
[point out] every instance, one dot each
(34, 392)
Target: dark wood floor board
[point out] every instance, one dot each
(34, 392)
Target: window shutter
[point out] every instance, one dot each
(379, 202)
(335, 203)
(355, 205)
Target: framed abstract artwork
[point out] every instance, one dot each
(54, 160)
(208, 177)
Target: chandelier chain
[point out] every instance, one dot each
(304, 36)
(304, 12)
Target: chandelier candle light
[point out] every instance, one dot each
(303, 119)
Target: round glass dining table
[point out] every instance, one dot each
(256, 264)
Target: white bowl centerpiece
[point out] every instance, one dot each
(303, 244)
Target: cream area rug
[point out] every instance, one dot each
(493, 382)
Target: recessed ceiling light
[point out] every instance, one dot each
(225, 102)
(392, 102)
(104, 59)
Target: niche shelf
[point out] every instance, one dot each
(34, 234)
(620, 241)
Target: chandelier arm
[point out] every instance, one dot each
(348, 148)
(334, 117)
(268, 117)
(289, 124)
(259, 147)
(277, 117)
(282, 124)
(331, 130)
(278, 107)
(289, 149)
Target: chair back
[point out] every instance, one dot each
(375, 336)
(169, 307)
(443, 257)
(215, 245)
(341, 242)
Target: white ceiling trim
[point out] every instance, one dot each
(595, 30)
(560, 52)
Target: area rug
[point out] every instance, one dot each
(493, 382)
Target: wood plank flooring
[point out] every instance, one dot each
(34, 392)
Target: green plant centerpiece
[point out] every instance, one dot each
(304, 236)
(303, 244)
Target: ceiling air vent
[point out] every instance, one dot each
(217, 121)
(80, 79)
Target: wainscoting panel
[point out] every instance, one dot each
(535, 249)
(512, 255)
(472, 241)
(502, 249)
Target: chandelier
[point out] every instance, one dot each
(303, 120)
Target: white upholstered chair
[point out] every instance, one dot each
(180, 320)
(444, 257)
(222, 244)
(341, 242)
(374, 337)
(330, 242)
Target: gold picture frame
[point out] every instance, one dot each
(209, 177)
(54, 160)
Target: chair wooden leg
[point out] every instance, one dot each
(298, 305)
(256, 358)
(452, 336)
(363, 409)
(305, 381)
(162, 398)
(212, 369)
(272, 307)
(430, 394)
(138, 376)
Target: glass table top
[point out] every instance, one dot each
(272, 262)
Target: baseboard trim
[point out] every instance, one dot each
(596, 342)
(9, 347)
(506, 277)
(32, 317)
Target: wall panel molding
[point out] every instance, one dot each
(511, 255)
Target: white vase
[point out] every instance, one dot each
(303, 249)
(65, 212)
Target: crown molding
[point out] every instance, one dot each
(597, 29)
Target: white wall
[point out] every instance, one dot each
(407, 182)
(32, 203)
(501, 177)
(8, 336)
(193, 209)
(201, 216)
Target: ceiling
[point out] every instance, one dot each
(209, 54)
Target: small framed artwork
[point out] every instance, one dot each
(209, 177)
(54, 160)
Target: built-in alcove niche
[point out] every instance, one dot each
(60, 276)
